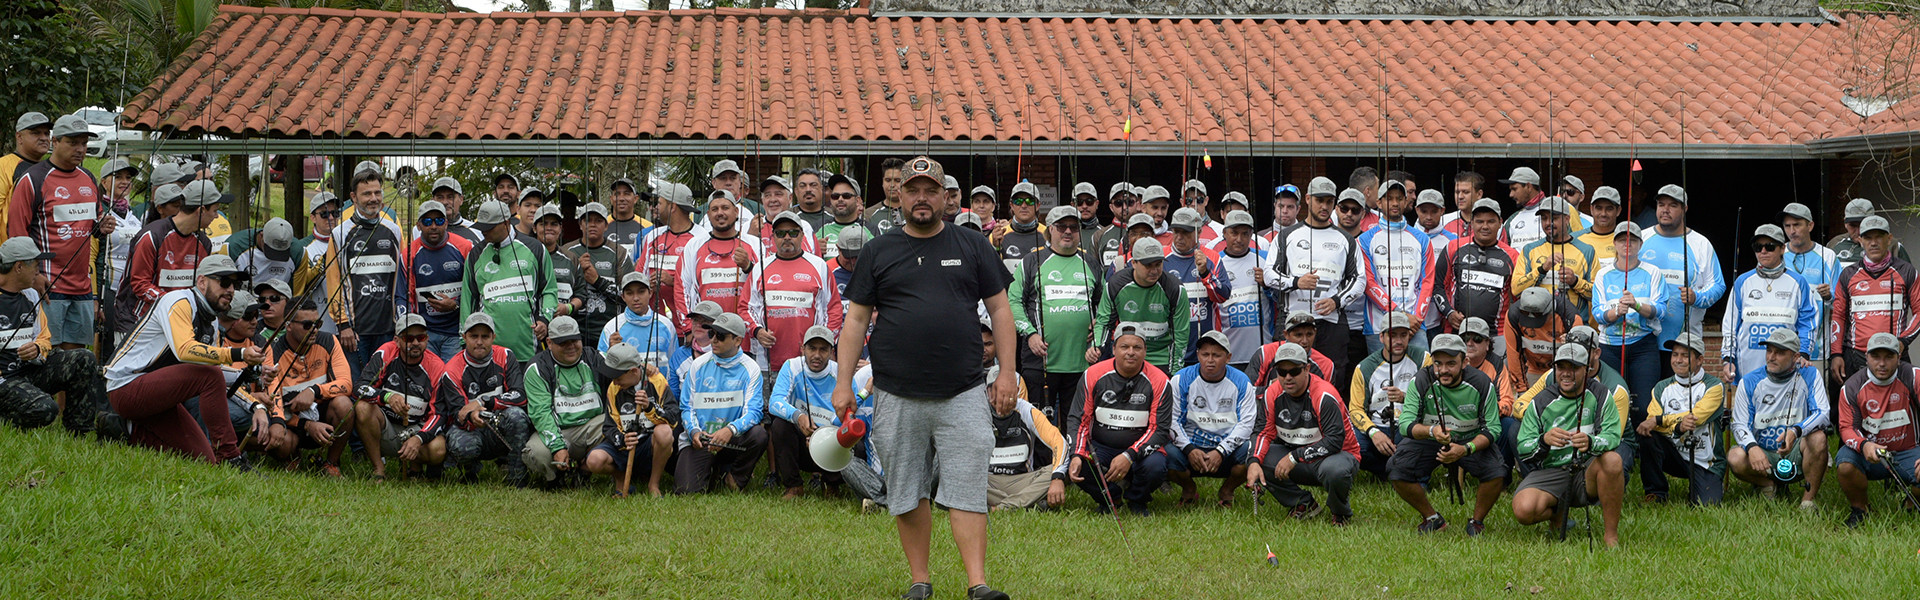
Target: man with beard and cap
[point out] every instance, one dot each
(1151, 301)
(843, 214)
(1299, 329)
(1197, 270)
(810, 199)
(1606, 212)
(776, 196)
(447, 191)
(794, 292)
(314, 384)
(598, 265)
(1479, 338)
(1111, 239)
(1214, 411)
(1120, 418)
(170, 361)
(1557, 260)
(32, 140)
(1316, 268)
(1471, 274)
(1875, 295)
(1449, 420)
(1780, 414)
(1022, 233)
(437, 262)
(1688, 262)
(482, 391)
(58, 204)
(397, 406)
(1303, 438)
(165, 255)
(1157, 203)
(506, 187)
(1607, 384)
(1523, 226)
(802, 402)
(503, 280)
(658, 254)
(1054, 292)
(1086, 201)
(715, 265)
(1847, 249)
(1769, 297)
(1680, 437)
(1379, 390)
(721, 408)
(625, 224)
(1568, 437)
(564, 403)
(1876, 426)
(887, 216)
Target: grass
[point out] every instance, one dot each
(83, 520)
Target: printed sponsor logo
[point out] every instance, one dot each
(951, 262)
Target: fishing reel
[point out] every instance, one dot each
(489, 418)
(1786, 471)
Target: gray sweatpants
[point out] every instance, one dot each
(919, 439)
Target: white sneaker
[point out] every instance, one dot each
(867, 506)
(1807, 505)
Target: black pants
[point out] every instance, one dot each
(696, 467)
(1052, 393)
(791, 455)
(1661, 458)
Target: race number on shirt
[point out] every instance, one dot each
(1122, 419)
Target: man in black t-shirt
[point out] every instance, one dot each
(929, 417)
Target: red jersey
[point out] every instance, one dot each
(58, 209)
(162, 260)
(1866, 303)
(1310, 427)
(799, 293)
(660, 252)
(807, 244)
(708, 272)
(1882, 414)
(1260, 369)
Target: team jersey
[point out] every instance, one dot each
(659, 252)
(1817, 266)
(807, 243)
(457, 226)
(12, 166)
(1024, 441)
(219, 229)
(494, 382)
(716, 392)
(599, 299)
(563, 272)
(1523, 226)
(827, 238)
(437, 272)
(119, 244)
(651, 334)
(1367, 404)
(1324, 251)
(1398, 271)
(58, 209)
(1054, 295)
(799, 390)
(162, 260)
(1128, 413)
(1108, 241)
(626, 232)
(1243, 315)
(260, 265)
(1014, 241)
(389, 373)
(276, 410)
(1761, 305)
(322, 366)
(1584, 413)
(1472, 279)
(562, 396)
(1309, 427)
(1206, 288)
(1530, 349)
(1691, 263)
(1848, 252)
(790, 296)
(1702, 396)
(1866, 303)
(1878, 412)
(369, 260)
(1611, 284)
(1533, 269)
(1608, 385)
(25, 325)
(708, 272)
(506, 281)
(881, 219)
(1601, 243)
(1152, 311)
(1212, 415)
(1466, 409)
(307, 274)
(1260, 369)
(179, 329)
(817, 218)
(1765, 408)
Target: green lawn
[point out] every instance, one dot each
(83, 520)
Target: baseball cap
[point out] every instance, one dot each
(277, 235)
(215, 265)
(491, 213)
(981, 189)
(1398, 320)
(1629, 228)
(1448, 343)
(633, 277)
(1218, 339)
(363, 167)
(21, 249)
(1859, 208)
(546, 210)
(1573, 353)
(1299, 318)
(1672, 191)
(1769, 230)
(448, 183)
(1027, 188)
(1140, 219)
(563, 328)
(1556, 205)
(201, 193)
(166, 193)
(1881, 341)
(1583, 335)
(1689, 341)
(313, 204)
(593, 208)
(1061, 213)
(1387, 185)
(1085, 188)
(1234, 198)
(1290, 352)
(1475, 326)
(477, 319)
(731, 324)
(1796, 209)
(953, 184)
(72, 126)
(787, 216)
(1523, 175)
(623, 181)
(1321, 186)
(706, 308)
(1605, 192)
(1155, 192)
(1485, 204)
(1575, 182)
(818, 333)
(840, 178)
(620, 358)
(1874, 223)
(237, 308)
(1118, 189)
(117, 165)
(1238, 217)
(1354, 196)
(1431, 196)
(721, 195)
(532, 190)
(852, 239)
(966, 218)
(1187, 219)
(277, 285)
(921, 166)
(499, 175)
(773, 180)
(1531, 308)
(1193, 184)
(1784, 338)
(678, 194)
(433, 206)
(724, 167)
(164, 173)
(1147, 249)
(30, 121)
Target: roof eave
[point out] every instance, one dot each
(1878, 142)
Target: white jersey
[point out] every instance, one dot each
(1759, 305)
(1678, 398)
(1212, 414)
(1523, 227)
(262, 269)
(1241, 316)
(1697, 267)
(1327, 252)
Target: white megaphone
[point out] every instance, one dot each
(832, 449)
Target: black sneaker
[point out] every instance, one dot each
(240, 463)
(918, 591)
(1305, 511)
(982, 592)
(771, 481)
(1432, 523)
(1855, 518)
(1475, 526)
(109, 426)
(1339, 521)
(1140, 510)
(470, 474)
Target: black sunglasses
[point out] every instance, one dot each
(274, 299)
(842, 196)
(310, 324)
(1766, 247)
(1288, 372)
(432, 221)
(1085, 201)
(786, 233)
(1352, 209)
(327, 214)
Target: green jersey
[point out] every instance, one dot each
(1586, 413)
(1148, 310)
(512, 283)
(561, 397)
(1466, 409)
(1056, 299)
(827, 238)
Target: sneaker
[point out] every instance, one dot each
(868, 507)
(1140, 510)
(1770, 492)
(771, 482)
(240, 463)
(1475, 526)
(1339, 521)
(470, 474)
(109, 426)
(918, 591)
(330, 469)
(1305, 511)
(1808, 505)
(982, 592)
(1654, 499)
(1855, 517)
(1432, 523)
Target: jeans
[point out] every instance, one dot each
(1142, 479)
(445, 345)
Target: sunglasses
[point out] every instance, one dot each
(1025, 200)
(786, 233)
(306, 324)
(231, 281)
(1352, 209)
(414, 337)
(842, 196)
(432, 221)
(1125, 202)
(327, 214)
(1085, 201)
(1289, 372)
(274, 299)
(1766, 247)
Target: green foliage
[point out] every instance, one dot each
(54, 63)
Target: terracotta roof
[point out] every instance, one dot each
(804, 75)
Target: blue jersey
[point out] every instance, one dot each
(1212, 415)
(1688, 263)
(1756, 307)
(797, 389)
(652, 335)
(437, 272)
(1764, 409)
(1207, 288)
(1610, 284)
(718, 392)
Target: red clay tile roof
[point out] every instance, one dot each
(737, 74)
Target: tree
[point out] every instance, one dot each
(54, 65)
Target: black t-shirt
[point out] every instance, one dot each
(926, 335)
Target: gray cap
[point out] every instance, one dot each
(1025, 187)
(71, 126)
(620, 358)
(30, 121)
(237, 308)
(1155, 192)
(447, 183)
(1523, 175)
(1475, 326)
(216, 265)
(1321, 186)
(1298, 318)
(563, 328)
(623, 181)
(1675, 192)
(365, 166)
(725, 166)
(313, 204)
(678, 194)
(1629, 228)
(721, 195)
(1784, 338)
(818, 333)
(1218, 338)
(1085, 188)
(1118, 189)
(1583, 335)
(731, 324)
(532, 190)
(117, 165)
(277, 285)
(1556, 205)
(981, 189)
(499, 175)
(164, 173)
(409, 321)
(1187, 218)
(166, 193)
(1859, 208)
(1398, 319)
(1485, 204)
(20, 249)
(1689, 341)
(1880, 341)
(277, 235)
(1575, 182)
(964, 218)
(633, 277)
(1796, 209)
(1607, 193)
(1381, 192)
(1234, 198)
(546, 210)
(773, 180)
(491, 213)
(1431, 196)
(1573, 353)
(1769, 230)
(201, 193)
(432, 206)
(191, 169)
(952, 184)
(594, 208)
(852, 239)
(1060, 213)
(787, 216)
(1448, 343)
(1147, 249)
(1140, 219)
(1193, 184)
(1290, 352)
(705, 308)
(1355, 196)
(1238, 217)
(1874, 223)
(1531, 308)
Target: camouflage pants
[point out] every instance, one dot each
(26, 397)
(468, 447)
